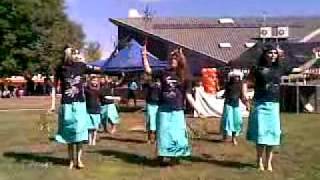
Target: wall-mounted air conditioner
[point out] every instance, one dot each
(282, 32)
(265, 32)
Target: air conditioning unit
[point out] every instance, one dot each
(283, 32)
(265, 32)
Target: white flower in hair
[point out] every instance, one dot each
(68, 51)
(235, 72)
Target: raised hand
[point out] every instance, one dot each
(144, 51)
(316, 52)
(248, 106)
(180, 50)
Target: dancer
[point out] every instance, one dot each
(109, 112)
(72, 121)
(152, 95)
(231, 121)
(92, 93)
(172, 137)
(264, 122)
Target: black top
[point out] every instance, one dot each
(106, 90)
(72, 81)
(267, 82)
(152, 92)
(233, 91)
(173, 90)
(92, 100)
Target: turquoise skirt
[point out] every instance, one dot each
(109, 114)
(151, 116)
(172, 136)
(231, 120)
(72, 123)
(94, 121)
(264, 124)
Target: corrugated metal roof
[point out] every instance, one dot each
(204, 34)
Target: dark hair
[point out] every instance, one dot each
(90, 84)
(182, 67)
(265, 49)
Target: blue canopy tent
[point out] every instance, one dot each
(129, 59)
(99, 63)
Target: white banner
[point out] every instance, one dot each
(210, 105)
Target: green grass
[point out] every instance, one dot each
(27, 154)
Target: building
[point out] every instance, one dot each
(211, 42)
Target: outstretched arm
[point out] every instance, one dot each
(183, 57)
(249, 81)
(121, 79)
(146, 64)
(54, 92)
(192, 102)
(244, 98)
(190, 98)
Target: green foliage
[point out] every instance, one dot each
(92, 51)
(33, 34)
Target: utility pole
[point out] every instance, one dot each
(264, 14)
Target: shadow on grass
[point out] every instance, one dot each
(222, 163)
(143, 160)
(35, 157)
(211, 140)
(130, 158)
(124, 139)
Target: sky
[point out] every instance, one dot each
(93, 15)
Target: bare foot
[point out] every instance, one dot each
(234, 142)
(71, 164)
(269, 167)
(80, 165)
(260, 165)
(113, 131)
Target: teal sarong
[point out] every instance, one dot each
(109, 114)
(72, 123)
(94, 121)
(231, 120)
(172, 136)
(151, 116)
(264, 124)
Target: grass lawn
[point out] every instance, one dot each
(27, 154)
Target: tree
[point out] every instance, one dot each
(92, 51)
(33, 34)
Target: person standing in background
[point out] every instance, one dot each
(132, 91)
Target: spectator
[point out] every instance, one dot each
(6, 92)
(39, 89)
(47, 86)
(11, 89)
(29, 86)
(132, 91)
